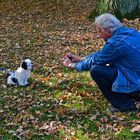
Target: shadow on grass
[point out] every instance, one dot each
(71, 102)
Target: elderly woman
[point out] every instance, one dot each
(116, 67)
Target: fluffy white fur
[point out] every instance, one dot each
(21, 75)
(11, 76)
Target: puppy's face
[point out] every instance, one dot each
(27, 64)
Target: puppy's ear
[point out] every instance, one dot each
(24, 65)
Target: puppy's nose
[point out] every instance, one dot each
(32, 67)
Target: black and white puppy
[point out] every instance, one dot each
(21, 75)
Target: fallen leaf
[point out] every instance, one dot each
(136, 128)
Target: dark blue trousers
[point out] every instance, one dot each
(104, 76)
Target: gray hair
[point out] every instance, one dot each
(108, 21)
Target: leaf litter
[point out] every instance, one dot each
(57, 103)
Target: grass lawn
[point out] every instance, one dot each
(59, 104)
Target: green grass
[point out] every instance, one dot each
(72, 102)
(127, 134)
(56, 94)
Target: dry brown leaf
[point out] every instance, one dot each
(136, 128)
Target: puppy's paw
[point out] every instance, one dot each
(27, 84)
(24, 84)
(21, 84)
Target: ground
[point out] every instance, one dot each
(59, 104)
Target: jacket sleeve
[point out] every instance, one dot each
(85, 64)
(108, 55)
